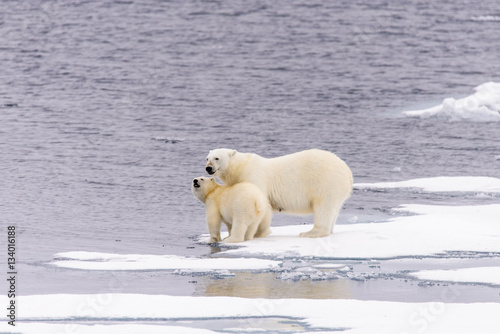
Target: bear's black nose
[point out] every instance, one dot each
(210, 170)
(195, 183)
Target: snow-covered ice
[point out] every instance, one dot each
(486, 275)
(475, 184)
(352, 315)
(420, 234)
(105, 261)
(482, 106)
(69, 326)
(149, 313)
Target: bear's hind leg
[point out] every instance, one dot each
(324, 219)
(334, 219)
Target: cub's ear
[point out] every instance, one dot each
(233, 152)
(212, 179)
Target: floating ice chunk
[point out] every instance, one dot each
(486, 18)
(172, 140)
(482, 106)
(336, 266)
(318, 272)
(104, 261)
(353, 219)
(224, 273)
(486, 275)
(441, 184)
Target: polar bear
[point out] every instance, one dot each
(312, 181)
(242, 207)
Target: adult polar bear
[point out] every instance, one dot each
(311, 181)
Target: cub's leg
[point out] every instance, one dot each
(263, 229)
(251, 229)
(238, 232)
(229, 226)
(213, 223)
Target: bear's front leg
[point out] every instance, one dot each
(214, 239)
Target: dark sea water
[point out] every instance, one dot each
(109, 108)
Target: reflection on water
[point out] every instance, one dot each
(258, 324)
(265, 285)
(366, 280)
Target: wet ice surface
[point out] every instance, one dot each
(108, 109)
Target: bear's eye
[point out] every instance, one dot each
(216, 158)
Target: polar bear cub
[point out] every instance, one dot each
(242, 207)
(308, 182)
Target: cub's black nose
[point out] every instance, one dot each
(195, 183)
(209, 170)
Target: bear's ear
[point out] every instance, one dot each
(212, 179)
(231, 153)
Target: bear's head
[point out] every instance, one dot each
(218, 160)
(202, 186)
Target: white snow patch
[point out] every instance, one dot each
(105, 261)
(433, 230)
(71, 327)
(487, 275)
(475, 184)
(134, 313)
(482, 106)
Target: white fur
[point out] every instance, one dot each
(242, 207)
(308, 182)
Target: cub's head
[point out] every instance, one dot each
(201, 186)
(218, 160)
